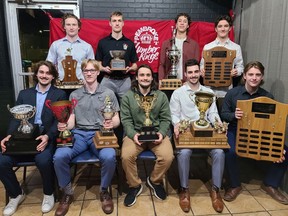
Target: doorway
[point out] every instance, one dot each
(27, 27)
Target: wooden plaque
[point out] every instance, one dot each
(69, 65)
(105, 141)
(261, 131)
(187, 140)
(218, 65)
(170, 84)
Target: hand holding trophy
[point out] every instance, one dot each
(148, 131)
(62, 111)
(106, 136)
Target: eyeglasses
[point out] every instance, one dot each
(92, 71)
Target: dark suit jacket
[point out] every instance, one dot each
(28, 96)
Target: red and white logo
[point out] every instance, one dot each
(146, 41)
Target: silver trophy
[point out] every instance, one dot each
(23, 112)
(118, 62)
(174, 55)
(108, 112)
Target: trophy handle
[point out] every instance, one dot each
(74, 102)
(8, 107)
(32, 113)
(48, 103)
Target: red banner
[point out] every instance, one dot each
(147, 36)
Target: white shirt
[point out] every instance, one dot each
(179, 66)
(237, 63)
(183, 107)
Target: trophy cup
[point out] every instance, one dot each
(173, 55)
(117, 63)
(201, 127)
(106, 137)
(62, 111)
(148, 131)
(23, 140)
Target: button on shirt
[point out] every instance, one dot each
(40, 99)
(237, 63)
(79, 49)
(183, 107)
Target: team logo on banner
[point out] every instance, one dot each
(146, 41)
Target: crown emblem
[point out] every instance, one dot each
(146, 38)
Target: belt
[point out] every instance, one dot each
(116, 77)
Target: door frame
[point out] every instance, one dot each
(12, 25)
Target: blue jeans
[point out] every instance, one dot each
(274, 174)
(218, 160)
(83, 141)
(43, 162)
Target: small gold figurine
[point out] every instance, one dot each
(220, 128)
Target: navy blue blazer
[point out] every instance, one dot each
(28, 96)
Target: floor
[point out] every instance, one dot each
(252, 201)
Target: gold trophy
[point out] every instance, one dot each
(201, 127)
(148, 131)
(173, 55)
(106, 137)
(118, 62)
(23, 140)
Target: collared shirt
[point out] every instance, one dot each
(40, 99)
(109, 43)
(182, 105)
(237, 62)
(87, 112)
(79, 50)
(231, 98)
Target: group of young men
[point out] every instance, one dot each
(87, 118)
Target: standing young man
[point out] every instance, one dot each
(253, 79)
(118, 81)
(132, 118)
(188, 48)
(85, 120)
(183, 108)
(223, 25)
(72, 45)
(45, 75)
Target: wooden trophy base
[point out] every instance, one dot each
(148, 134)
(187, 140)
(118, 65)
(170, 84)
(201, 132)
(101, 141)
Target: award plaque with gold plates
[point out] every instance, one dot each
(173, 55)
(105, 138)
(218, 63)
(261, 130)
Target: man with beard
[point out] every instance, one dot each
(187, 47)
(132, 118)
(72, 45)
(118, 81)
(183, 108)
(45, 75)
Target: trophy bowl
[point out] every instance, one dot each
(203, 101)
(23, 112)
(117, 54)
(108, 112)
(62, 111)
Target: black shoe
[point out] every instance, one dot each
(158, 190)
(130, 198)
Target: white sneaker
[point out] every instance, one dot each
(48, 203)
(12, 206)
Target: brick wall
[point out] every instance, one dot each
(199, 10)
